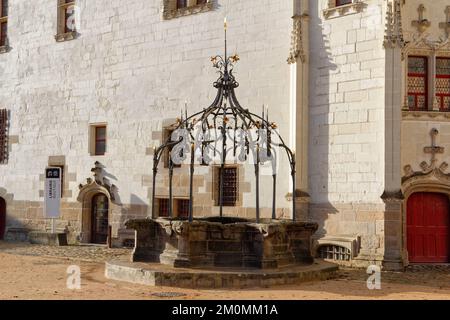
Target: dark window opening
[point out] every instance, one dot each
(333, 252)
(343, 2)
(230, 186)
(100, 140)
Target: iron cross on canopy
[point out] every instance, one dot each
(433, 149)
(446, 25)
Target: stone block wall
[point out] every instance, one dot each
(131, 69)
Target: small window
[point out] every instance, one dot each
(343, 2)
(443, 83)
(3, 23)
(230, 186)
(182, 208)
(181, 4)
(97, 140)
(67, 20)
(100, 140)
(417, 83)
(333, 252)
(201, 2)
(163, 207)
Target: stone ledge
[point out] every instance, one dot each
(160, 275)
(61, 37)
(352, 8)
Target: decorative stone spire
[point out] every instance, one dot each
(394, 30)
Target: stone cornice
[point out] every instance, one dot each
(426, 116)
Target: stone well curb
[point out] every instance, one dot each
(158, 275)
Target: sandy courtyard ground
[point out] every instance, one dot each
(39, 272)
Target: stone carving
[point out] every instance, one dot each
(99, 181)
(297, 48)
(421, 24)
(446, 25)
(429, 169)
(394, 30)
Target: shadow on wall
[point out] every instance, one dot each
(321, 118)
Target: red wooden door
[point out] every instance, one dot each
(428, 224)
(2, 218)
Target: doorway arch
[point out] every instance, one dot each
(2, 218)
(99, 218)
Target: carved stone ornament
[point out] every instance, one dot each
(421, 24)
(99, 182)
(394, 30)
(297, 49)
(429, 169)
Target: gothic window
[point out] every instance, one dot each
(3, 136)
(178, 8)
(230, 186)
(417, 83)
(3, 23)
(67, 20)
(443, 83)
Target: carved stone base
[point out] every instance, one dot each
(236, 243)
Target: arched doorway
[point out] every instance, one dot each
(428, 228)
(99, 218)
(2, 218)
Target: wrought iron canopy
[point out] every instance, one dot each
(223, 129)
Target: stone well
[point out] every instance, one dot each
(223, 242)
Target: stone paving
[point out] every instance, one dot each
(91, 253)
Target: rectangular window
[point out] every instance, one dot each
(230, 186)
(3, 136)
(343, 2)
(100, 140)
(418, 83)
(182, 207)
(181, 4)
(201, 2)
(66, 14)
(3, 23)
(443, 83)
(163, 207)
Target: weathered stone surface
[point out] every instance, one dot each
(234, 243)
(45, 238)
(157, 275)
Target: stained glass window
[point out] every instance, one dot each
(417, 83)
(443, 83)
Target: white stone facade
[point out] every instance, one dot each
(340, 98)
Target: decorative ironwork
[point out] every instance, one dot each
(222, 130)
